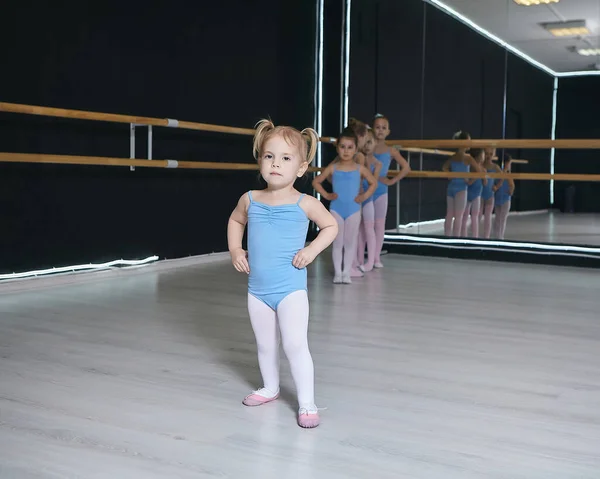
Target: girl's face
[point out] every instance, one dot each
(490, 153)
(346, 149)
(280, 163)
(369, 146)
(381, 128)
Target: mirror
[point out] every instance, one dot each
(472, 84)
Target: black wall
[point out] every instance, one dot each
(432, 75)
(578, 118)
(228, 63)
(529, 115)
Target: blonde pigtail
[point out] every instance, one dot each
(263, 127)
(312, 139)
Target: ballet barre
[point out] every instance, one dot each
(423, 146)
(116, 118)
(38, 158)
(517, 144)
(449, 153)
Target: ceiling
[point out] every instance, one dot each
(519, 26)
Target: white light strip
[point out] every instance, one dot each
(503, 250)
(346, 64)
(82, 267)
(519, 53)
(421, 223)
(553, 136)
(319, 82)
(491, 36)
(425, 239)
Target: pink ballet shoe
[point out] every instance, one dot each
(255, 399)
(308, 417)
(356, 273)
(365, 268)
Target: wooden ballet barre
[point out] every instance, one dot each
(427, 151)
(108, 161)
(519, 144)
(499, 176)
(197, 165)
(137, 120)
(115, 118)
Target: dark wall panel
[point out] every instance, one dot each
(529, 115)
(226, 63)
(578, 118)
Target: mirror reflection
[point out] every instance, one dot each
(474, 88)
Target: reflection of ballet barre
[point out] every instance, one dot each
(498, 176)
(518, 144)
(447, 153)
(197, 165)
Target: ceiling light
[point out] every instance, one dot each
(528, 3)
(567, 29)
(589, 52)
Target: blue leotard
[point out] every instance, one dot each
(503, 195)
(275, 235)
(456, 185)
(386, 160)
(486, 192)
(346, 184)
(474, 190)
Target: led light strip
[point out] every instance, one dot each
(502, 250)
(450, 241)
(459, 16)
(82, 267)
(553, 136)
(346, 63)
(318, 121)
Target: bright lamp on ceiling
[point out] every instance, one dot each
(567, 29)
(529, 3)
(589, 52)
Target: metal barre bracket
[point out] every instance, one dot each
(132, 142)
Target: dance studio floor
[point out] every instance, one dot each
(429, 369)
(552, 227)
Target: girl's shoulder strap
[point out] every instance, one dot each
(250, 196)
(300, 199)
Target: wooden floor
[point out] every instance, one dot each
(430, 369)
(553, 227)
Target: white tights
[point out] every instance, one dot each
(454, 211)
(344, 244)
(488, 208)
(291, 321)
(380, 205)
(472, 209)
(500, 219)
(366, 237)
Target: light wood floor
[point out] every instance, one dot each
(553, 227)
(430, 369)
